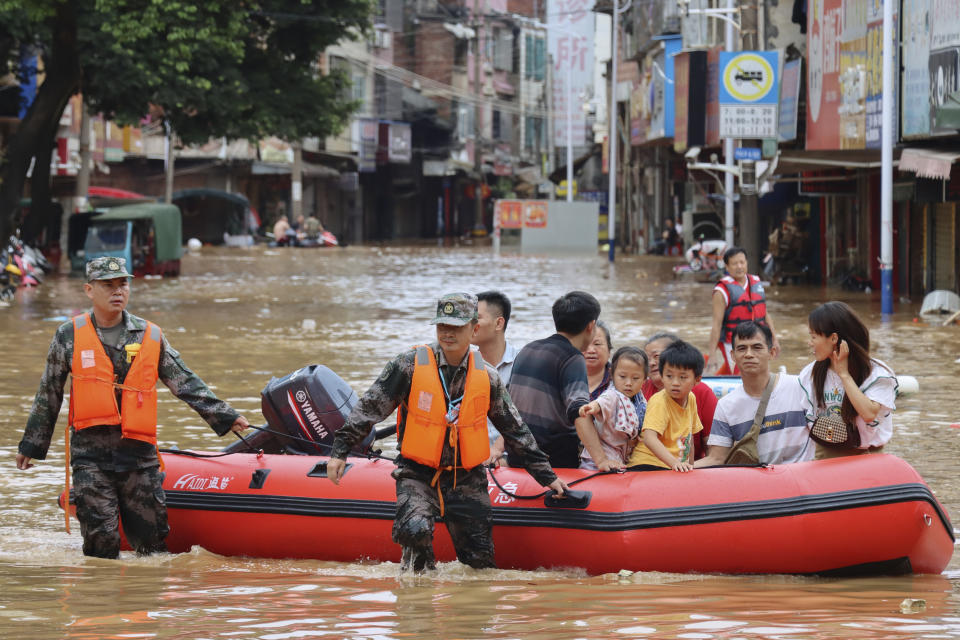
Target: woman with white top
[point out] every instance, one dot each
(845, 381)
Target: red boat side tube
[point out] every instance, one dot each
(859, 515)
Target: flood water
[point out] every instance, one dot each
(237, 316)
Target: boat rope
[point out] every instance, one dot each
(328, 447)
(545, 492)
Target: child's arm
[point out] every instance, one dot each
(591, 409)
(652, 439)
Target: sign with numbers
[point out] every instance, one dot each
(749, 94)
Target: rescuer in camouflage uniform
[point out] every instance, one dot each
(115, 478)
(465, 502)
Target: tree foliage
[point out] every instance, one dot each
(216, 68)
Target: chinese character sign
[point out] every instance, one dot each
(570, 37)
(510, 213)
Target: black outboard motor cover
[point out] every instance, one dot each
(310, 403)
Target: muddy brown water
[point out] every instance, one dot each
(238, 318)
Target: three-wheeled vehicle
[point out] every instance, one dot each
(147, 234)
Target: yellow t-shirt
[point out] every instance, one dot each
(674, 424)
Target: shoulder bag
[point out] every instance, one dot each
(745, 450)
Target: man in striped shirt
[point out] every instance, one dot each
(549, 385)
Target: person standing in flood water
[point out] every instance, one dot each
(114, 359)
(445, 393)
(738, 297)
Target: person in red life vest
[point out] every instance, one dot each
(738, 297)
(443, 393)
(706, 398)
(114, 360)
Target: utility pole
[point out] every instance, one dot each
(83, 173)
(886, 162)
(478, 119)
(728, 213)
(168, 184)
(750, 234)
(296, 183)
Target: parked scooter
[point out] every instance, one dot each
(22, 266)
(706, 255)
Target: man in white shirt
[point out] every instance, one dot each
(493, 311)
(784, 436)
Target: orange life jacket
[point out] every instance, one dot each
(426, 414)
(743, 304)
(93, 399)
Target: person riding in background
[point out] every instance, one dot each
(445, 393)
(619, 411)
(493, 314)
(114, 360)
(597, 357)
(738, 297)
(845, 381)
(549, 385)
(783, 436)
(706, 398)
(671, 421)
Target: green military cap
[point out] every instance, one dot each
(456, 309)
(107, 268)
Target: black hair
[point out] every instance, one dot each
(606, 332)
(661, 335)
(497, 299)
(731, 252)
(573, 311)
(682, 355)
(749, 329)
(837, 317)
(633, 354)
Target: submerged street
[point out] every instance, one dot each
(242, 316)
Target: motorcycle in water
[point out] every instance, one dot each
(706, 255)
(22, 266)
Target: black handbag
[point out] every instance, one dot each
(831, 430)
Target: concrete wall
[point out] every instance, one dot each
(571, 228)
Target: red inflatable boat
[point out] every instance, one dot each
(860, 515)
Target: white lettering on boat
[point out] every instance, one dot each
(194, 482)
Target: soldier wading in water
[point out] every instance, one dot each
(445, 393)
(114, 359)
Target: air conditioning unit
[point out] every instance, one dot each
(382, 37)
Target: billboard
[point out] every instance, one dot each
(570, 36)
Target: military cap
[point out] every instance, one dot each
(456, 309)
(107, 268)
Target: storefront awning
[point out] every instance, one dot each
(800, 160)
(928, 163)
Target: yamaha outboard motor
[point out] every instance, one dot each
(310, 404)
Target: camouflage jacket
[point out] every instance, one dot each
(392, 388)
(103, 445)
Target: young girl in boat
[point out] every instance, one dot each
(844, 380)
(618, 412)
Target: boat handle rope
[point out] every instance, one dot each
(545, 492)
(259, 452)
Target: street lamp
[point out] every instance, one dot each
(614, 118)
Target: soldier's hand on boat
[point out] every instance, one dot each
(609, 465)
(23, 462)
(239, 425)
(335, 469)
(559, 486)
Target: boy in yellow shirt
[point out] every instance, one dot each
(666, 439)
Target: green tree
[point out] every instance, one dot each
(218, 68)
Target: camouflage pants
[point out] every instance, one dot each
(105, 498)
(467, 515)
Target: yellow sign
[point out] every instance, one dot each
(562, 188)
(748, 77)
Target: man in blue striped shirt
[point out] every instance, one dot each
(548, 385)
